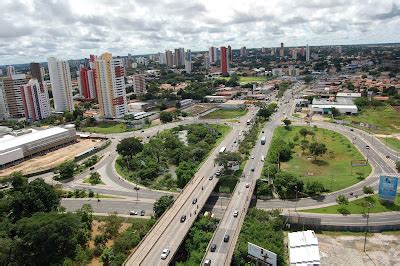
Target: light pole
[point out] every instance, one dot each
(367, 147)
(137, 193)
(295, 206)
(369, 206)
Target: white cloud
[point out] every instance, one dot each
(35, 29)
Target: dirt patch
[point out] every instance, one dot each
(199, 108)
(349, 250)
(397, 108)
(52, 158)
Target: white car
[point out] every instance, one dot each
(235, 213)
(247, 185)
(252, 157)
(133, 213)
(164, 254)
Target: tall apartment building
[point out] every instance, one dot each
(13, 95)
(243, 51)
(87, 83)
(110, 86)
(179, 57)
(4, 114)
(224, 60)
(282, 50)
(307, 53)
(206, 61)
(139, 83)
(213, 54)
(10, 71)
(188, 62)
(230, 56)
(35, 100)
(169, 58)
(61, 85)
(294, 53)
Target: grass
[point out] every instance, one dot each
(357, 206)
(384, 117)
(333, 171)
(392, 142)
(87, 181)
(244, 80)
(107, 128)
(225, 114)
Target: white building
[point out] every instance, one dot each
(35, 98)
(307, 53)
(277, 72)
(188, 61)
(111, 86)
(10, 71)
(61, 85)
(303, 248)
(139, 83)
(344, 106)
(348, 95)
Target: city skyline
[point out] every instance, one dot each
(34, 30)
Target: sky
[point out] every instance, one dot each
(33, 30)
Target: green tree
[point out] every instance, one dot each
(66, 170)
(335, 112)
(107, 256)
(317, 149)
(18, 181)
(304, 145)
(223, 158)
(162, 204)
(314, 188)
(398, 166)
(166, 117)
(287, 123)
(368, 190)
(288, 185)
(264, 112)
(68, 116)
(86, 214)
(129, 147)
(111, 226)
(303, 132)
(94, 178)
(342, 200)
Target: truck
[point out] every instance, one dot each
(223, 149)
(263, 139)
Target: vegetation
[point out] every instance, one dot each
(66, 170)
(394, 143)
(193, 247)
(162, 204)
(107, 128)
(166, 117)
(225, 114)
(94, 179)
(166, 162)
(264, 229)
(282, 88)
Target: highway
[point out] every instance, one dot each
(169, 231)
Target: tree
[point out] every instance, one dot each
(342, 200)
(287, 123)
(398, 166)
(368, 190)
(304, 145)
(66, 170)
(68, 116)
(308, 79)
(86, 214)
(162, 204)
(287, 185)
(317, 149)
(129, 147)
(18, 181)
(335, 112)
(94, 178)
(314, 188)
(303, 132)
(166, 117)
(264, 112)
(224, 158)
(107, 256)
(112, 225)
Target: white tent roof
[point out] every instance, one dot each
(303, 248)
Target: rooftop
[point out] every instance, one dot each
(303, 248)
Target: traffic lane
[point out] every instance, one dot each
(109, 206)
(354, 219)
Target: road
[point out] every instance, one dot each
(169, 232)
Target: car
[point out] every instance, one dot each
(218, 173)
(210, 178)
(234, 141)
(247, 185)
(235, 213)
(226, 238)
(262, 131)
(164, 254)
(351, 129)
(388, 156)
(252, 157)
(148, 137)
(91, 168)
(213, 247)
(142, 212)
(183, 218)
(133, 213)
(194, 201)
(262, 158)
(142, 131)
(207, 263)
(252, 169)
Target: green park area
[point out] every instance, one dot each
(392, 143)
(385, 118)
(107, 128)
(360, 206)
(244, 80)
(171, 158)
(225, 114)
(314, 157)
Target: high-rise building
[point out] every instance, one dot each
(61, 85)
(243, 51)
(35, 100)
(139, 83)
(110, 85)
(36, 71)
(188, 61)
(4, 114)
(263, 50)
(213, 54)
(169, 58)
(224, 60)
(282, 50)
(294, 53)
(179, 57)
(162, 59)
(230, 56)
(206, 61)
(307, 53)
(87, 83)
(10, 71)
(13, 95)
(302, 51)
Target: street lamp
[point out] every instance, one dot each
(367, 147)
(295, 206)
(137, 192)
(369, 206)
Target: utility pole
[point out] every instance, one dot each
(370, 205)
(295, 206)
(137, 193)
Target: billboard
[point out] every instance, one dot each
(388, 188)
(359, 163)
(261, 254)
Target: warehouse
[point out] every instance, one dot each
(303, 248)
(15, 148)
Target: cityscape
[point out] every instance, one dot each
(199, 133)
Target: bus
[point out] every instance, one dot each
(248, 122)
(263, 139)
(223, 149)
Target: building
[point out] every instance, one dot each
(179, 57)
(224, 60)
(188, 62)
(137, 107)
(307, 53)
(206, 61)
(27, 143)
(213, 54)
(12, 92)
(10, 71)
(216, 99)
(294, 54)
(4, 113)
(344, 106)
(61, 85)
(110, 85)
(348, 95)
(233, 104)
(282, 50)
(139, 83)
(169, 58)
(243, 51)
(87, 83)
(35, 100)
(185, 102)
(303, 248)
(230, 55)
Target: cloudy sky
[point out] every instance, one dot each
(32, 30)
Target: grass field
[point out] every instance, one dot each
(244, 80)
(357, 206)
(384, 117)
(225, 114)
(333, 169)
(392, 142)
(106, 128)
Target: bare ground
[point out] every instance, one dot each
(52, 158)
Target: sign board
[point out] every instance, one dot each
(359, 163)
(388, 188)
(261, 254)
